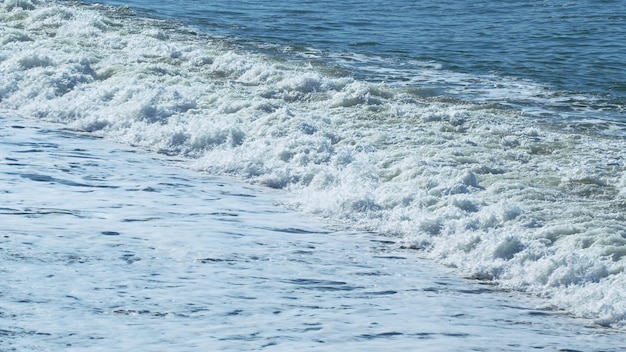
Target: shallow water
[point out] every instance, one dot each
(532, 202)
(105, 248)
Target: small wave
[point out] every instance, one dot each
(529, 204)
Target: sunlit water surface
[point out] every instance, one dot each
(108, 248)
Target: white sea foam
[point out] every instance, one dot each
(150, 257)
(534, 206)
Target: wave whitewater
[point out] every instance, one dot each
(532, 205)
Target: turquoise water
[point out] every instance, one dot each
(577, 50)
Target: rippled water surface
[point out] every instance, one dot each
(575, 47)
(107, 248)
(516, 182)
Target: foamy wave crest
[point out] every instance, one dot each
(536, 207)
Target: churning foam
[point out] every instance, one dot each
(534, 206)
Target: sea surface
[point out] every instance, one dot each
(107, 248)
(319, 175)
(563, 58)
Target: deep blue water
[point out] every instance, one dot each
(569, 48)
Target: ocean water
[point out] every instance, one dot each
(485, 138)
(108, 248)
(562, 57)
